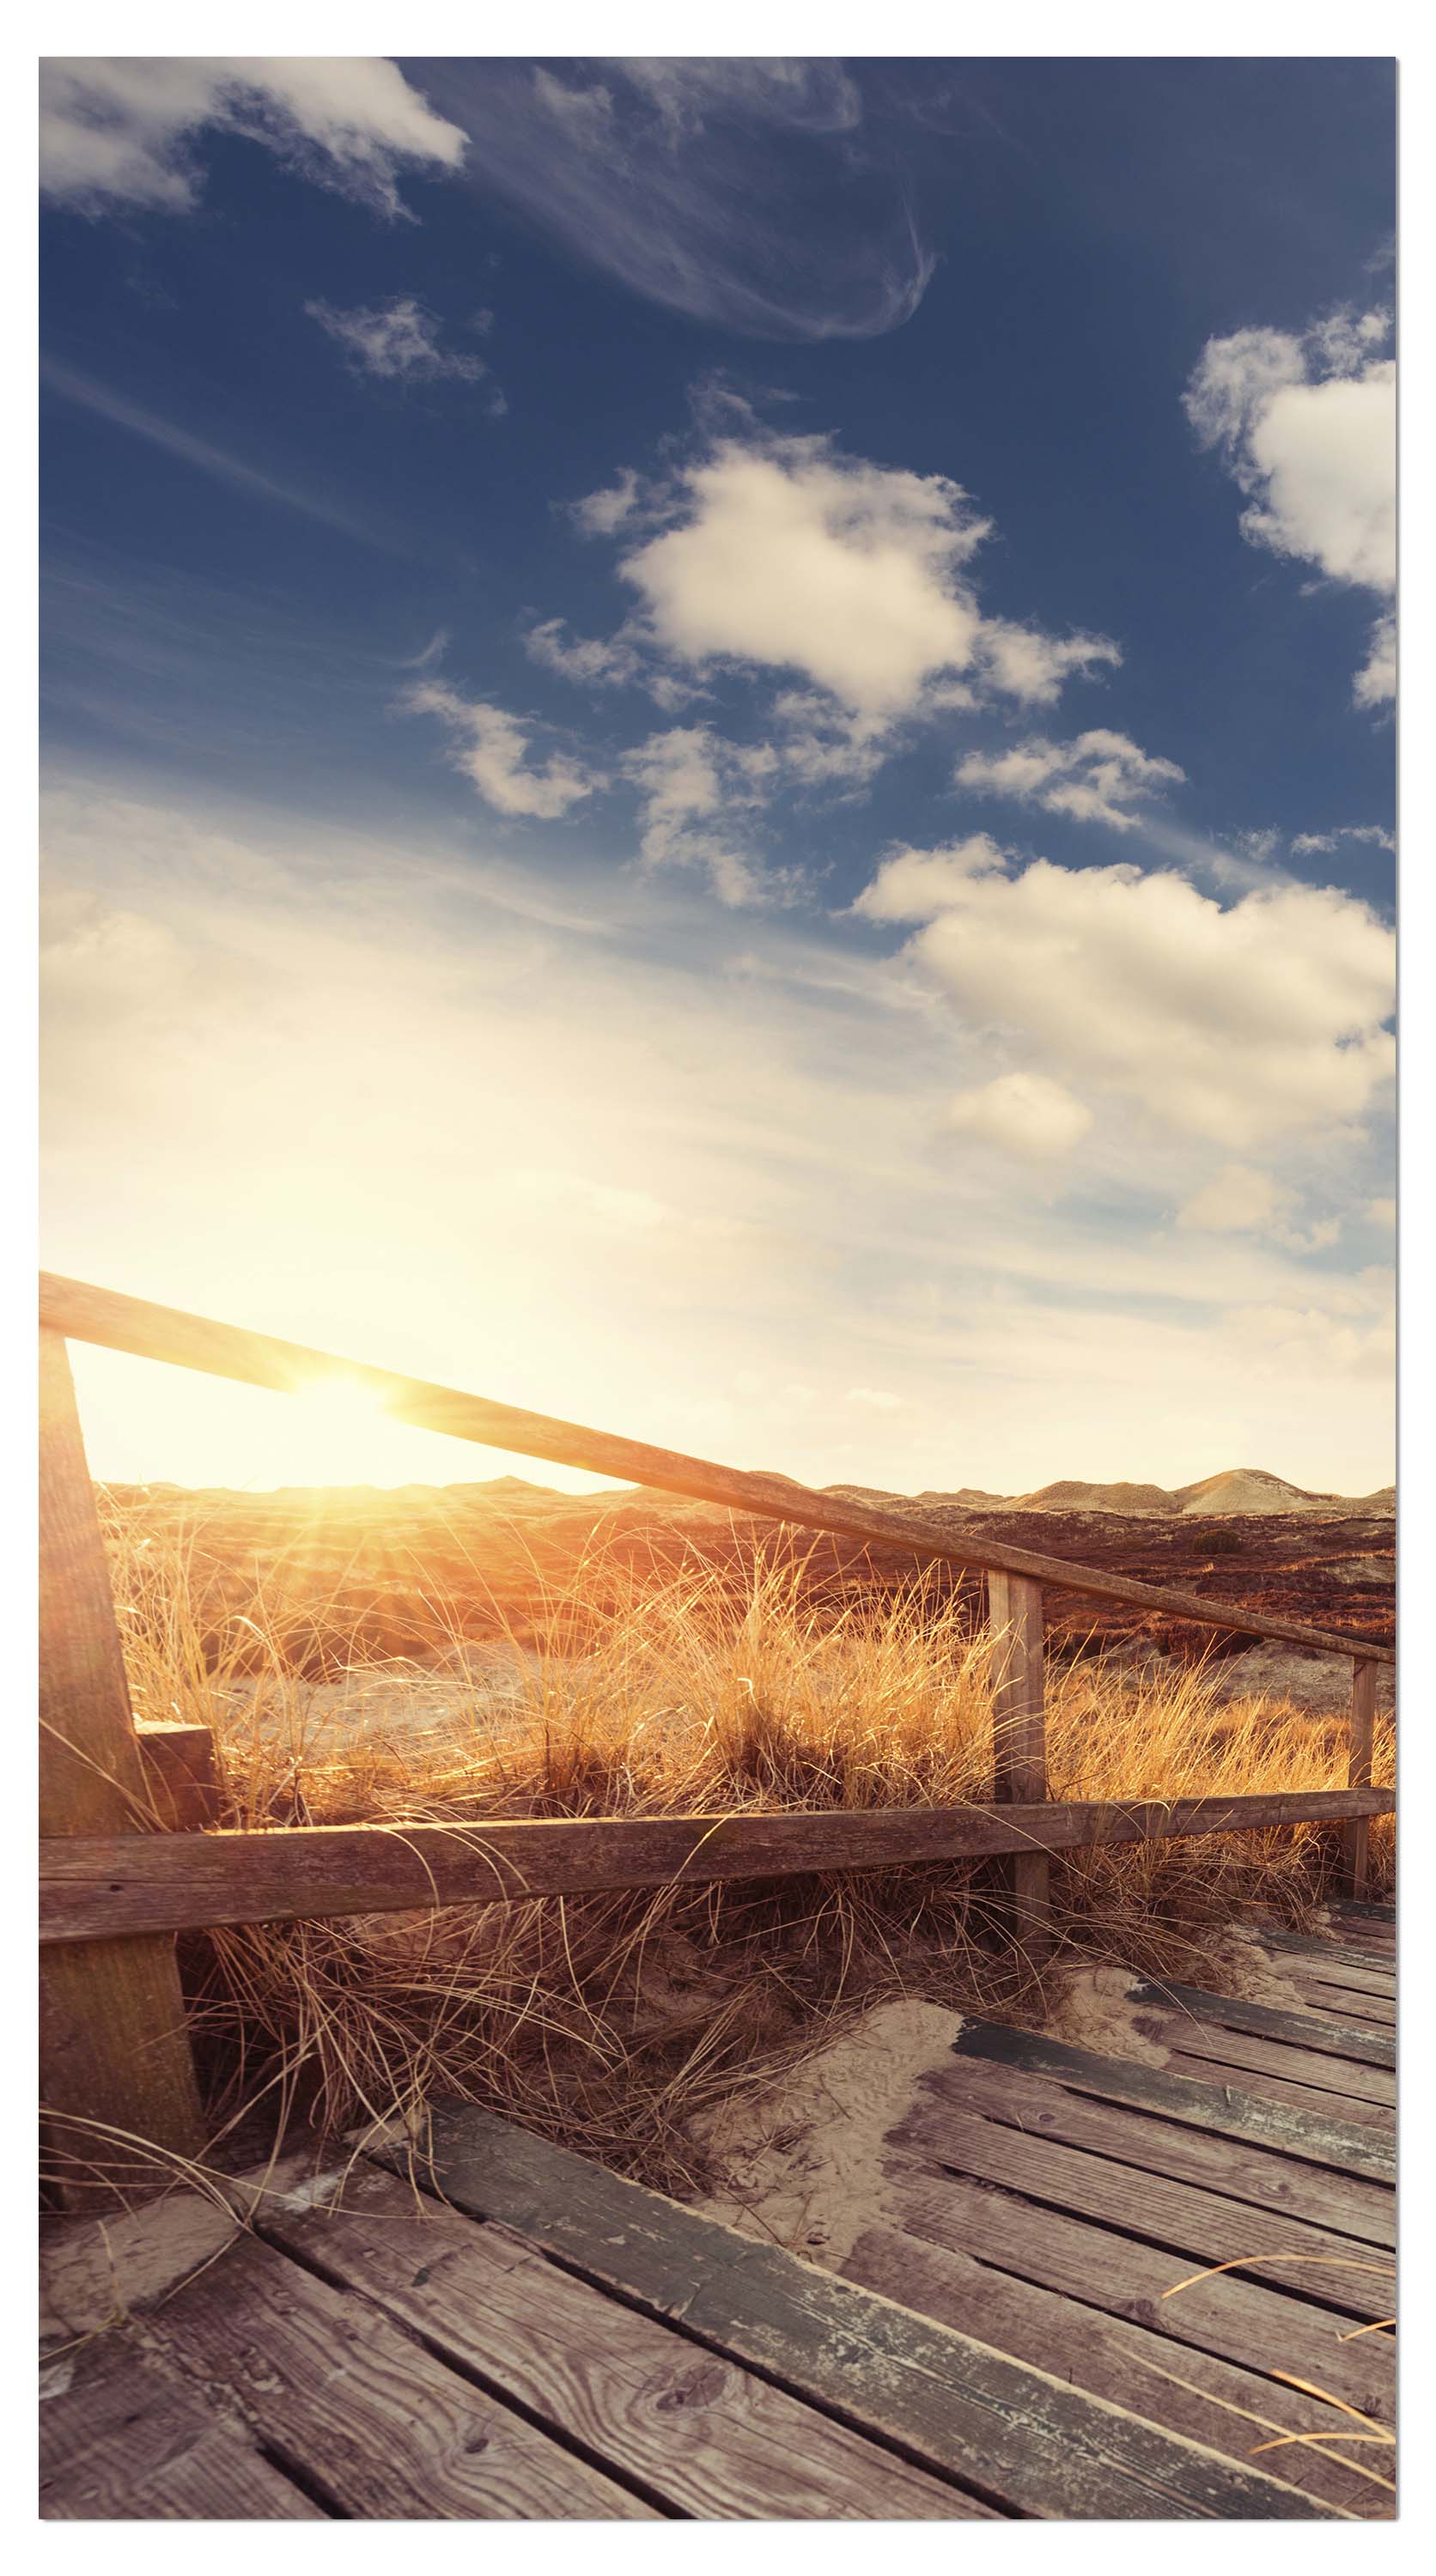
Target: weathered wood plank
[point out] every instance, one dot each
(1375, 2117)
(89, 1314)
(171, 1882)
(1227, 2111)
(1019, 1739)
(181, 1773)
(1017, 2436)
(1268, 2021)
(370, 2422)
(1334, 1953)
(1199, 2225)
(1351, 1962)
(1227, 2408)
(1353, 2092)
(1043, 2107)
(1362, 2012)
(113, 2043)
(124, 2442)
(1356, 1837)
(1241, 2320)
(706, 2436)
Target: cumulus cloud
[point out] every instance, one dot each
(1307, 428)
(1099, 778)
(398, 339)
(781, 554)
(1230, 1024)
(690, 781)
(606, 662)
(492, 748)
(665, 175)
(124, 131)
(1021, 1113)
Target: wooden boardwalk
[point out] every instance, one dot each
(1021, 2336)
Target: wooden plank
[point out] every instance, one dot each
(1019, 1740)
(1267, 2021)
(1200, 2225)
(1363, 2012)
(1355, 1966)
(1351, 2091)
(1375, 2117)
(1242, 2321)
(368, 2420)
(706, 2437)
(124, 2442)
(181, 1773)
(1042, 2107)
(89, 1314)
(1355, 1839)
(1322, 2138)
(169, 1882)
(114, 2049)
(1219, 2404)
(1013, 2434)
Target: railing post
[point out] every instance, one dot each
(1356, 1837)
(113, 2043)
(1019, 1722)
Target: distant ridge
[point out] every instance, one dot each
(1235, 1489)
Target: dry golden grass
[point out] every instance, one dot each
(609, 2021)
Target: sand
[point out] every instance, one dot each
(801, 2161)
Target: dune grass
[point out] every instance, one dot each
(610, 2022)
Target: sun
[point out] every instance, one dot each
(341, 1426)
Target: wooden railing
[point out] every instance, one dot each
(113, 1894)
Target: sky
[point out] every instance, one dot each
(718, 754)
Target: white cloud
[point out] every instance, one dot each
(607, 662)
(1236, 1024)
(1375, 682)
(397, 339)
(492, 749)
(672, 176)
(602, 514)
(1099, 778)
(1022, 1113)
(123, 131)
(1239, 1199)
(779, 553)
(1307, 427)
(593, 661)
(1381, 1212)
(876, 1398)
(1309, 843)
(689, 778)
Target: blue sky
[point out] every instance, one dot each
(719, 749)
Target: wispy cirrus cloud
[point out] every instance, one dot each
(400, 341)
(750, 194)
(126, 131)
(73, 385)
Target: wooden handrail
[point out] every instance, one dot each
(87, 1314)
(146, 1883)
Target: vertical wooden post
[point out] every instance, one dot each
(113, 2043)
(1356, 1837)
(1019, 1716)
